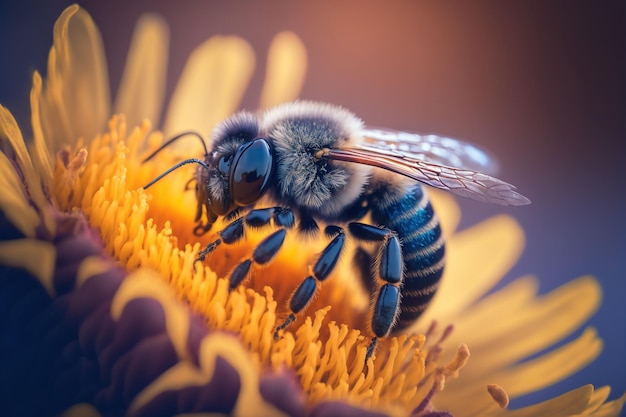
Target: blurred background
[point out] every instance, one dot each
(540, 84)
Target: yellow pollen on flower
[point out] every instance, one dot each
(498, 394)
(458, 362)
(325, 348)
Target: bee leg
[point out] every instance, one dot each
(232, 233)
(324, 265)
(282, 218)
(388, 268)
(235, 231)
(263, 253)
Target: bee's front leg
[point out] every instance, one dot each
(281, 217)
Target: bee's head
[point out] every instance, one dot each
(240, 168)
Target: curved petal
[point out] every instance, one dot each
(513, 324)
(533, 375)
(568, 404)
(42, 158)
(552, 367)
(127, 343)
(285, 71)
(210, 87)
(21, 187)
(598, 398)
(583, 401)
(142, 89)
(14, 206)
(19, 254)
(212, 349)
(81, 410)
(610, 409)
(76, 101)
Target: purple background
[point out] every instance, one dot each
(540, 84)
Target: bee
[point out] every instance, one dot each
(318, 163)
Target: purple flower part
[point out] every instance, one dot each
(56, 352)
(283, 391)
(219, 395)
(340, 409)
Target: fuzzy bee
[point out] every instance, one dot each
(318, 163)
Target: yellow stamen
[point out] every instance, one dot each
(498, 394)
(326, 357)
(325, 349)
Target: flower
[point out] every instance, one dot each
(104, 305)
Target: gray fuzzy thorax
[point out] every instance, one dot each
(319, 186)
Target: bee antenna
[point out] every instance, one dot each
(175, 167)
(174, 139)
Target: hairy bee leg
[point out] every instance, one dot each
(269, 247)
(324, 265)
(282, 217)
(290, 319)
(232, 233)
(266, 250)
(206, 251)
(388, 267)
(263, 253)
(371, 348)
(235, 230)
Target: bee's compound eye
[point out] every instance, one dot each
(252, 168)
(223, 165)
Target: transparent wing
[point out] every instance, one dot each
(460, 181)
(431, 148)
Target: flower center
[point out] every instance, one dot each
(325, 347)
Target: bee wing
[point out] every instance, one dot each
(432, 148)
(460, 181)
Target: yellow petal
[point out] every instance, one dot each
(18, 253)
(76, 100)
(184, 374)
(551, 367)
(210, 88)
(11, 138)
(81, 410)
(512, 324)
(610, 409)
(476, 259)
(598, 398)
(146, 283)
(568, 404)
(528, 377)
(580, 402)
(42, 159)
(13, 201)
(142, 88)
(286, 69)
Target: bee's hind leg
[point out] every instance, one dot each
(388, 270)
(324, 265)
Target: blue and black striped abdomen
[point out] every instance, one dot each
(413, 219)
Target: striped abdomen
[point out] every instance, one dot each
(413, 219)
